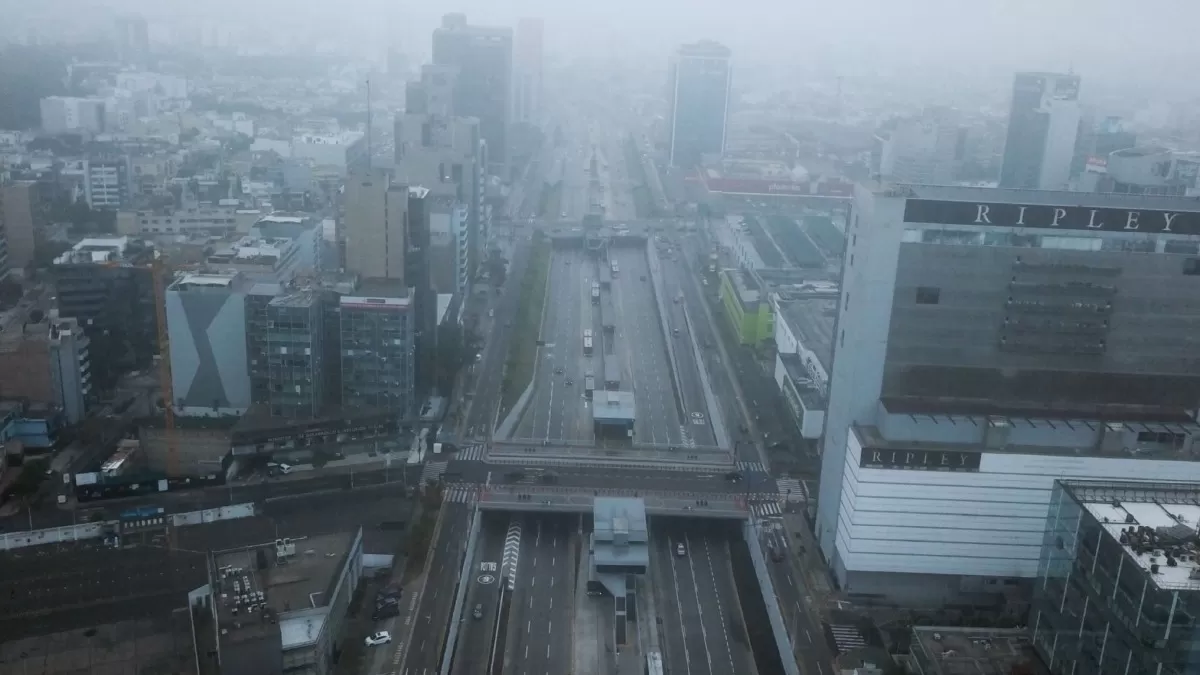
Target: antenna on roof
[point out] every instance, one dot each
(368, 124)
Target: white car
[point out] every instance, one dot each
(381, 638)
(680, 550)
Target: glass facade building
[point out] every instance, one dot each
(377, 353)
(1118, 587)
(294, 353)
(698, 83)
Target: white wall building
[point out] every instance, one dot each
(919, 149)
(989, 342)
(61, 114)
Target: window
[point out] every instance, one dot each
(928, 295)
(1191, 267)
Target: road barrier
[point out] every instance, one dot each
(752, 534)
(460, 596)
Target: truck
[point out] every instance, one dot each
(589, 385)
(595, 294)
(587, 346)
(612, 375)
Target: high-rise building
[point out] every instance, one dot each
(375, 224)
(418, 278)
(1119, 579)
(133, 39)
(989, 342)
(20, 212)
(1043, 124)
(444, 152)
(294, 354)
(61, 114)
(926, 149)
(527, 71)
(378, 348)
(699, 78)
(206, 322)
(483, 85)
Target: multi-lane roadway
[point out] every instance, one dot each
(695, 596)
(476, 633)
(540, 619)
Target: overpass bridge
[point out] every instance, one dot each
(646, 456)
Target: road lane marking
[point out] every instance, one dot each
(699, 606)
(529, 626)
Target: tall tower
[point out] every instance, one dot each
(699, 78)
(1042, 127)
(527, 71)
(483, 86)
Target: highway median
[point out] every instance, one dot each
(523, 347)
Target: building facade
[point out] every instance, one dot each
(20, 214)
(527, 71)
(294, 354)
(70, 368)
(1118, 581)
(483, 85)
(699, 80)
(746, 307)
(926, 149)
(378, 349)
(376, 224)
(988, 342)
(206, 322)
(62, 114)
(1043, 124)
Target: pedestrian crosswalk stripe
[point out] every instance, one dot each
(791, 490)
(766, 509)
(460, 494)
(847, 637)
(432, 471)
(756, 467)
(475, 452)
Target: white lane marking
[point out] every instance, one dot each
(699, 605)
(720, 610)
(687, 658)
(529, 626)
(547, 644)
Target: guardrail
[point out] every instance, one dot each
(715, 416)
(752, 533)
(681, 459)
(69, 533)
(529, 498)
(659, 290)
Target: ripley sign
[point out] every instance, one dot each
(919, 460)
(1150, 221)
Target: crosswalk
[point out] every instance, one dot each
(847, 637)
(791, 490)
(755, 467)
(432, 472)
(475, 452)
(767, 509)
(460, 494)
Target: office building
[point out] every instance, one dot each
(925, 149)
(483, 85)
(448, 245)
(747, 307)
(133, 40)
(103, 182)
(375, 224)
(1150, 171)
(211, 220)
(444, 152)
(527, 72)
(1043, 124)
(63, 114)
(294, 342)
(20, 216)
(106, 283)
(988, 342)
(378, 348)
(279, 607)
(44, 360)
(206, 322)
(70, 367)
(699, 78)
(277, 249)
(1118, 583)
(804, 324)
(418, 278)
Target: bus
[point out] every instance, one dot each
(587, 345)
(615, 269)
(589, 385)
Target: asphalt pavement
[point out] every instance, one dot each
(704, 633)
(489, 371)
(809, 645)
(473, 651)
(540, 618)
(681, 482)
(437, 599)
(694, 402)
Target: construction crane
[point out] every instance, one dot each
(159, 270)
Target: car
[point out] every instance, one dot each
(478, 613)
(570, 382)
(386, 611)
(559, 370)
(643, 277)
(680, 550)
(733, 476)
(381, 638)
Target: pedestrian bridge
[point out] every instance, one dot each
(530, 498)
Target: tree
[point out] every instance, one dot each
(456, 348)
(497, 267)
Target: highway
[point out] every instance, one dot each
(540, 616)
(480, 419)
(558, 409)
(421, 655)
(641, 350)
(681, 483)
(703, 628)
(809, 643)
(473, 651)
(694, 402)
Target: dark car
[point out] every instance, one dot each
(385, 612)
(733, 476)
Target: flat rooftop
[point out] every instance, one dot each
(620, 534)
(811, 321)
(746, 286)
(1170, 511)
(810, 396)
(297, 577)
(613, 406)
(950, 650)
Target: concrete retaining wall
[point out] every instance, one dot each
(464, 581)
(752, 534)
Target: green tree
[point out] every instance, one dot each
(456, 348)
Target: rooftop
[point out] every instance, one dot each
(613, 406)
(950, 650)
(301, 298)
(1156, 524)
(96, 250)
(298, 575)
(231, 281)
(811, 321)
(620, 532)
(810, 396)
(378, 293)
(746, 286)
(1101, 200)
